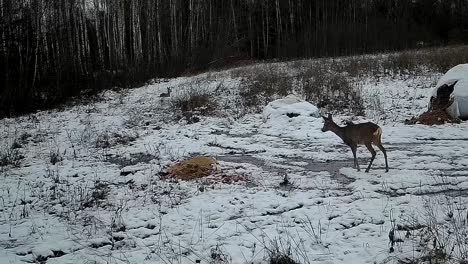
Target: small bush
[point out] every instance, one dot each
(195, 102)
(332, 91)
(217, 256)
(375, 106)
(359, 66)
(103, 141)
(95, 196)
(279, 253)
(262, 85)
(282, 259)
(10, 156)
(107, 140)
(16, 145)
(100, 192)
(54, 156)
(24, 137)
(401, 63)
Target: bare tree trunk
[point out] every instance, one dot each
(234, 21)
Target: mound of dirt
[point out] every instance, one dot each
(433, 117)
(438, 113)
(194, 168)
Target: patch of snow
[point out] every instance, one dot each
(278, 110)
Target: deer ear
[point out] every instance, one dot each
(453, 84)
(330, 116)
(323, 117)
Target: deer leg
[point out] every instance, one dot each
(356, 164)
(372, 151)
(385, 155)
(354, 156)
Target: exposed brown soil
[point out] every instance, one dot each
(434, 117)
(437, 114)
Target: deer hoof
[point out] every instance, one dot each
(386, 170)
(367, 170)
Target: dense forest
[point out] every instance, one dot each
(51, 50)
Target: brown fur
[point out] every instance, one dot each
(367, 134)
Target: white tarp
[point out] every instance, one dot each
(459, 74)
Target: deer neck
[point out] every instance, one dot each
(339, 131)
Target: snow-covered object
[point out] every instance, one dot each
(458, 74)
(290, 106)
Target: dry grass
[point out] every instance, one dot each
(332, 91)
(334, 84)
(437, 232)
(193, 103)
(10, 156)
(260, 85)
(406, 62)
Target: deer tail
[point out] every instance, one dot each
(378, 135)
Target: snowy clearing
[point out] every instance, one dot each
(87, 187)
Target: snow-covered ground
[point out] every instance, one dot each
(88, 186)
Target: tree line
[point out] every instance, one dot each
(51, 50)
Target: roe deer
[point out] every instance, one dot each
(358, 134)
(166, 94)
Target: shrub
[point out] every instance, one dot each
(109, 139)
(331, 91)
(10, 156)
(401, 63)
(333, 84)
(315, 82)
(443, 59)
(263, 84)
(280, 252)
(195, 101)
(54, 156)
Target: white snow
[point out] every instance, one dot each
(277, 110)
(107, 203)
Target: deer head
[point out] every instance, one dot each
(328, 123)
